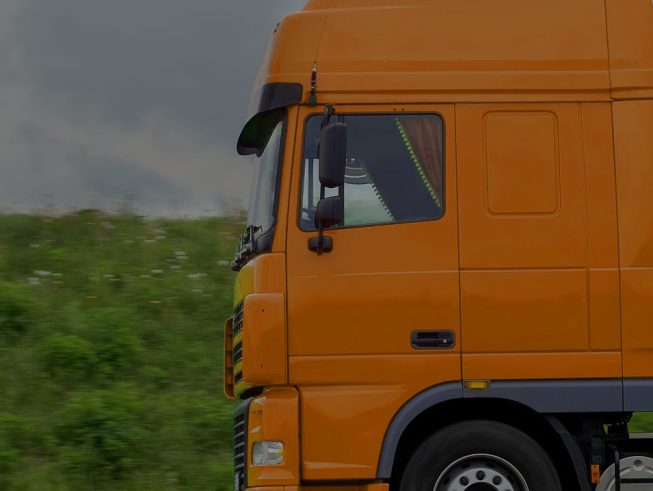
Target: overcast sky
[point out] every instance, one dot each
(139, 101)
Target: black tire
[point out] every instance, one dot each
(461, 441)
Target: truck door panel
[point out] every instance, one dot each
(380, 283)
(537, 250)
(352, 313)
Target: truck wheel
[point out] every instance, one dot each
(480, 456)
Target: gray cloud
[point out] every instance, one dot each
(146, 94)
(122, 61)
(111, 177)
(48, 167)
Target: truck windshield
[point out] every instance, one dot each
(262, 211)
(263, 198)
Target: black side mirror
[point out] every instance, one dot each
(333, 155)
(329, 212)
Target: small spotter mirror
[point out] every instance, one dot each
(330, 212)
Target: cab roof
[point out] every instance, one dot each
(363, 48)
(465, 50)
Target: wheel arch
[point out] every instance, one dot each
(446, 404)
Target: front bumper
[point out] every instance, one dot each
(271, 416)
(274, 415)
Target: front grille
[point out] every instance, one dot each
(240, 446)
(238, 353)
(238, 318)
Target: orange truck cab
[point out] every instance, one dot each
(446, 282)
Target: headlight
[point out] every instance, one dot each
(267, 453)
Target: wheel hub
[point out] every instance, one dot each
(481, 472)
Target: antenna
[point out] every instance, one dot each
(312, 98)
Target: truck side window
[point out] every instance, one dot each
(395, 169)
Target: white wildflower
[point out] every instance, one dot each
(34, 281)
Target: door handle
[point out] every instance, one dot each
(437, 340)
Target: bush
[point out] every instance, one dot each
(16, 309)
(68, 358)
(112, 357)
(12, 430)
(17, 437)
(102, 433)
(210, 423)
(113, 332)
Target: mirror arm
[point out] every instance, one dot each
(326, 115)
(322, 243)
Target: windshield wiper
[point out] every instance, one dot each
(246, 248)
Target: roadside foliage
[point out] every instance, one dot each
(111, 352)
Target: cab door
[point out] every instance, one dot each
(376, 319)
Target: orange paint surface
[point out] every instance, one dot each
(542, 266)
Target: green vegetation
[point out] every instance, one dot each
(111, 352)
(642, 423)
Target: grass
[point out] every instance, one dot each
(642, 423)
(110, 353)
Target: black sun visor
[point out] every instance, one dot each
(266, 104)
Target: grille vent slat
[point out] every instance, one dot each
(238, 318)
(237, 353)
(240, 446)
